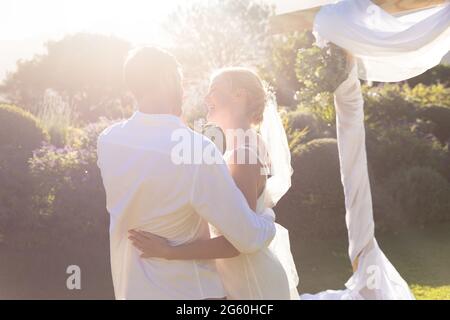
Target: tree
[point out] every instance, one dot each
(301, 71)
(279, 67)
(440, 117)
(207, 35)
(85, 69)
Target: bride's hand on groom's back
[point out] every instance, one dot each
(150, 245)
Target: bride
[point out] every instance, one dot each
(238, 102)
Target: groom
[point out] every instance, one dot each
(147, 190)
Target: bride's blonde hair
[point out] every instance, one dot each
(244, 78)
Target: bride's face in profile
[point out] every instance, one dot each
(222, 102)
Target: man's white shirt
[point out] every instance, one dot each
(147, 190)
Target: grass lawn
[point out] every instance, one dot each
(422, 257)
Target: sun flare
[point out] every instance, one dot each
(135, 20)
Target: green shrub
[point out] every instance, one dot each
(68, 203)
(386, 211)
(321, 106)
(20, 134)
(440, 118)
(315, 203)
(422, 193)
(424, 95)
(16, 192)
(385, 106)
(390, 149)
(69, 206)
(317, 166)
(315, 206)
(299, 120)
(295, 137)
(20, 130)
(313, 126)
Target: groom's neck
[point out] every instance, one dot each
(158, 108)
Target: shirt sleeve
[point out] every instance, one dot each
(218, 200)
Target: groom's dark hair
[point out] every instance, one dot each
(155, 75)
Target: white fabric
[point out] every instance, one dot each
(277, 147)
(147, 190)
(375, 277)
(269, 273)
(281, 248)
(353, 163)
(278, 183)
(387, 48)
(286, 6)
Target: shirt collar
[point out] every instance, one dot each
(155, 119)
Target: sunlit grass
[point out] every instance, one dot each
(431, 293)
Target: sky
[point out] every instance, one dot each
(129, 18)
(25, 25)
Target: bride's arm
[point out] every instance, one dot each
(153, 246)
(246, 177)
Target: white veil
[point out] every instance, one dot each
(277, 148)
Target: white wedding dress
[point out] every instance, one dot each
(268, 274)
